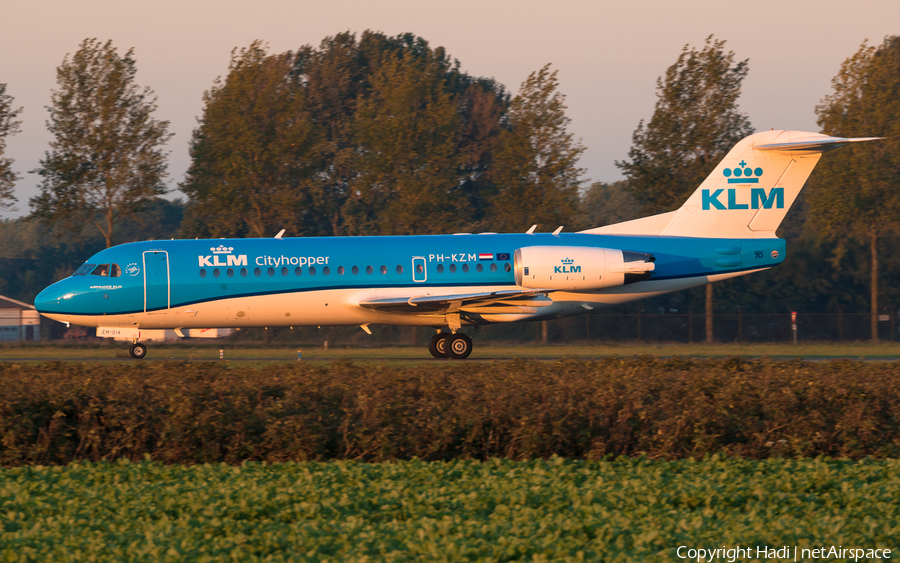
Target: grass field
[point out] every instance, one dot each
(237, 352)
(552, 510)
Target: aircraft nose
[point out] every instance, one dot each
(52, 299)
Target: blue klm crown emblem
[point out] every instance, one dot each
(567, 261)
(743, 175)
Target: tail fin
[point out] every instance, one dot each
(749, 192)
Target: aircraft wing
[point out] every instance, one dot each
(465, 302)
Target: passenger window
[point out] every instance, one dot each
(493, 267)
(84, 270)
(465, 268)
(355, 270)
(271, 272)
(216, 272)
(202, 273)
(101, 270)
(257, 272)
(369, 270)
(479, 268)
(452, 268)
(340, 270)
(114, 271)
(419, 268)
(298, 270)
(243, 272)
(326, 270)
(284, 271)
(440, 268)
(399, 269)
(507, 267)
(384, 269)
(230, 272)
(312, 270)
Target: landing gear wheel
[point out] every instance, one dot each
(438, 345)
(138, 351)
(459, 346)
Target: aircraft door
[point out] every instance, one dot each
(157, 282)
(419, 269)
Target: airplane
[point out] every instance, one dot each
(725, 229)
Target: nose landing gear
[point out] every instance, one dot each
(457, 345)
(138, 351)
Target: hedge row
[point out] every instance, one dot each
(179, 412)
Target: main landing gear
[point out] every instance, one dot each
(138, 351)
(457, 345)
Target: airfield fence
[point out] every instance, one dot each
(736, 327)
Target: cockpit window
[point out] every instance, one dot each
(114, 271)
(101, 270)
(84, 270)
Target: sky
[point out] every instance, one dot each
(609, 54)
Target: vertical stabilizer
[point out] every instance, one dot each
(749, 192)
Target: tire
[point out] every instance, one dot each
(438, 345)
(138, 351)
(459, 346)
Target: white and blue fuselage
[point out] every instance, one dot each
(323, 281)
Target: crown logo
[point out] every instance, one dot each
(743, 175)
(221, 249)
(567, 261)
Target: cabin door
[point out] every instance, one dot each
(157, 282)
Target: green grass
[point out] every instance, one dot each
(180, 351)
(559, 510)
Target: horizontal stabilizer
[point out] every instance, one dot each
(814, 144)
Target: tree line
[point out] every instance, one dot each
(377, 134)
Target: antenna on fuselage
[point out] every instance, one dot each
(531, 230)
(280, 233)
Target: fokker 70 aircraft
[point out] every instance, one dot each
(725, 229)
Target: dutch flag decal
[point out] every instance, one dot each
(484, 256)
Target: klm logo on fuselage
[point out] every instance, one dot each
(567, 267)
(215, 259)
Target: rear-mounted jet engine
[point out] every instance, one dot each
(575, 268)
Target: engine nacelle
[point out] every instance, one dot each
(577, 268)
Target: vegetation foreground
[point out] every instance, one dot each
(556, 509)
(206, 412)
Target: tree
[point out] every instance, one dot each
(360, 174)
(252, 155)
(695, 123)
(408, 133)
(106, 159)
(535, 166)
(318, 135)
(8, 126)
(854, 191)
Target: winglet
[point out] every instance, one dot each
(280, 233)
(531, 230)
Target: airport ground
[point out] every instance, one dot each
(204, 350)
